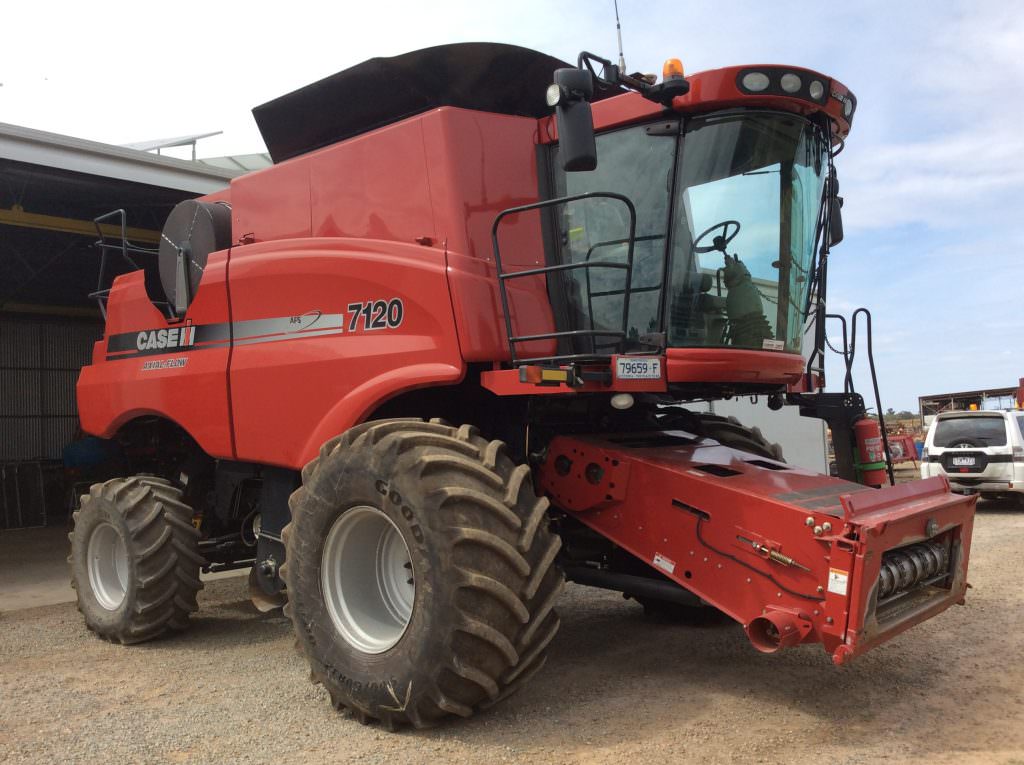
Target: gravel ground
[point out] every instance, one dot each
(616, 688)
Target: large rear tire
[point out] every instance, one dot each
(135, 559)
(420, 572)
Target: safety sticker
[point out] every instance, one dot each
(665, 564)
(773, 345)
(838, 580)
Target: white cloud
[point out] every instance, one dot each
(950, 157)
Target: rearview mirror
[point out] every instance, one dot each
(835, 202)
(570, 95)
(835, 232)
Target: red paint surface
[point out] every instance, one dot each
(633, 506)
(289, 397)
(713, 364)
(112, 393)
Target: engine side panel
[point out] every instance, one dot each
(327, 329)
(146, 365)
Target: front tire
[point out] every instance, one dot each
(420, 572)
(135, 559)
(728, 431)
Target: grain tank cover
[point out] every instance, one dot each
(489, 77)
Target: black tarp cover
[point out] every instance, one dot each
(490, 77)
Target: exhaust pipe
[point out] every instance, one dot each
(776, 629)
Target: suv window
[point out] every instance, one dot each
(970, 431)
(1020, 424)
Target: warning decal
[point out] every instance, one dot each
(665, 564)
(837, 580)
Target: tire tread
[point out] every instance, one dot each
(164, 545)
(502, 561)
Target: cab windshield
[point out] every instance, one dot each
(726, 215)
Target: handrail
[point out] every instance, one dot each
(102, 293)
(849, 353)
(563, 267)
(632, 290)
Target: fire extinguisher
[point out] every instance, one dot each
(871, 465)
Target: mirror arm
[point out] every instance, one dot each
(612, 75)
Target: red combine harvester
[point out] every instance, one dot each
(437, 359)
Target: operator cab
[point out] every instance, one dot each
(727, 210)
(694, 226)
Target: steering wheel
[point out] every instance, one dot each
(719, 242)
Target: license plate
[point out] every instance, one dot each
(963, 461)
(638, 369)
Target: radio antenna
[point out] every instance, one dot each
(618, 31)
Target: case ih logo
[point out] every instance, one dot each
(178, 337)
(362, 317)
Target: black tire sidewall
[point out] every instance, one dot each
(384, 680)
(96, 511)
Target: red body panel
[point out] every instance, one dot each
(271, 204)
(111, 393)
(481, 164)
(290, 397)
(711, 364)
(684, 508)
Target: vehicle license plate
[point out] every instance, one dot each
(963, 461)
(638, 369)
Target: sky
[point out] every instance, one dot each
(932, 174)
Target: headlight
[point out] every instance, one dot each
(790, 83)
(816, 90)
(847, 107)
(553, 95)
(755, 81)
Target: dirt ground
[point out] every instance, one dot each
(616, 689)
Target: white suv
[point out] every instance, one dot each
(979, 452)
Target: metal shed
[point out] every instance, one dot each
(51, 187)
(986, 398)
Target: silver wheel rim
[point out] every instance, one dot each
(367, 579)
(108, 566)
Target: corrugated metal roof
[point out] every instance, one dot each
(240, 163)
(63, 152)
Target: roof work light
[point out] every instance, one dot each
(672, 69)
